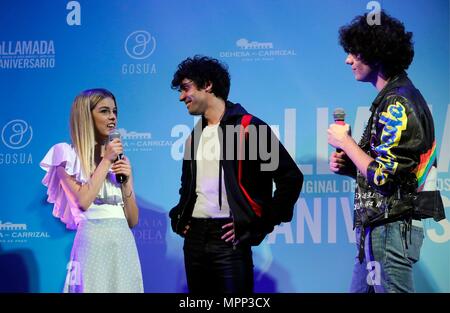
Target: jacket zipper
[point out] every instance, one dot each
(235, 241)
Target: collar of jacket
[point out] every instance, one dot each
(396, 81)
(232, 111)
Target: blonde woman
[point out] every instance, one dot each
(81, 182)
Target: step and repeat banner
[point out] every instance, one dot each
(286, 67)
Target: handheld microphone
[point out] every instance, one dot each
(113, 135)
(339, 118)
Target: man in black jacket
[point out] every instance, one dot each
(227, 202)
(394, 163)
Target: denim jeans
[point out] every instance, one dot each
(213, 265)
(390, 252)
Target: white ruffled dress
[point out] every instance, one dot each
(104, 256)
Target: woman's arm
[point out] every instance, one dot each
(129, 198)
(84, 194)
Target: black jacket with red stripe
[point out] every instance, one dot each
(249, 174)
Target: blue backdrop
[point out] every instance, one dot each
(286, 68)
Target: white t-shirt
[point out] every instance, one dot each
(207, 186)
(107, 204)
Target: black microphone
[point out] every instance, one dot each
(339, 118)
(113, 135)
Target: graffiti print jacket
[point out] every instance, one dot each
(401, 181)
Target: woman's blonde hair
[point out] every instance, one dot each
(82, 128)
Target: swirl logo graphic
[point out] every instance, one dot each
(140, 45)
(17, 134)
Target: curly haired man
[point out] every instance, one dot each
(394, 164)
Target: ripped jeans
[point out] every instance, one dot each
(390, 250)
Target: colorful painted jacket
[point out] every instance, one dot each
(401, 181)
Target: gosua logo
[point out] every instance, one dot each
(17, 134)
(140, 45)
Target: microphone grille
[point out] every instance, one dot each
(339, 114)
(114, 134)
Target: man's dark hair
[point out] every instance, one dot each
(387, 45)
(201, 70)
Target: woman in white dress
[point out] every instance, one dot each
(82, 185)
